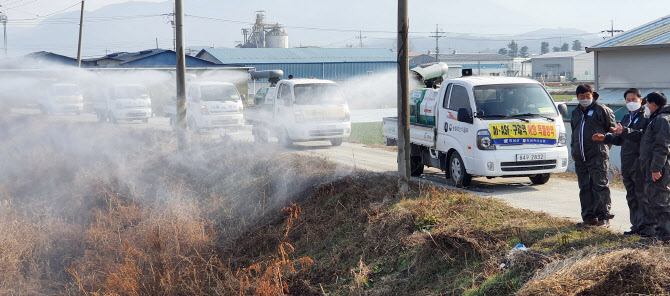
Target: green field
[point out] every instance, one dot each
(562, 98)
(367, 133)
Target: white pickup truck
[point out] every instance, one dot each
(488, 127)
(209, 105)
(61, 98)
(124, 102)
(299, 110)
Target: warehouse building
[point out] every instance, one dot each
(152, 58)
(563, 66)
(639, 58)
(338, 64)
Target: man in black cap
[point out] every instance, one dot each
(628, 135)
(655, 163)
(591, 157)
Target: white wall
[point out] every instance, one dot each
(583, 68)
(643, 68)
(542, 66)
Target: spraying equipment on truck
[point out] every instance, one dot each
(423, 100)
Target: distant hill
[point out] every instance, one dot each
(133, 26)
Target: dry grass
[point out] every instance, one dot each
(618, 272)
(97, 210)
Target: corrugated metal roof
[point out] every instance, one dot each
(462, 57)
(125, 57)
(655, 32)
(560, 54)
(299, 55)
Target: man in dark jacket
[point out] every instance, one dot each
(591, 157)
(655, 163)
(628, 135)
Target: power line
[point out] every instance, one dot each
(612, 31)
(360, 38)
(437, 36)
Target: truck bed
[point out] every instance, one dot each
(262, 114)
(419, 134)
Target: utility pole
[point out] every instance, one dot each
(81, 26)
(403, 97)
(360, 38)
(437, 36)
(3, 20)
(156, 42)
(181, 75)
(612, 31)
(174, 28)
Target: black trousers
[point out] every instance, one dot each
(638, 202)
(659, 202)
(594, 193)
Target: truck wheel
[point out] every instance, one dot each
(416, 166)
(285, 139)
(146, 120)
(260, 136)
(101, 117)
(336, 142)
(459, 177)
(112, 118)
(540, 179)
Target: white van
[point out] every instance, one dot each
(124, 102)
(210, 105)
(61, 98)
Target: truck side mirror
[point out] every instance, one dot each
(563, 110)
(464, 115)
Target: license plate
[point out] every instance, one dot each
(531, 157)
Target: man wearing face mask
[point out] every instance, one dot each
(592, 157)
(628, 135)
(655, 163)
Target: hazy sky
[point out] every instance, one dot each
(487, 18)
(591, 16)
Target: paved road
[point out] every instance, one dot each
(559, 197)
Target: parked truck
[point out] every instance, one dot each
(299, 110)
(485, 126)
(209, 105)
(125, 102)
(61, 98)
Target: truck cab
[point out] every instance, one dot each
(61, 98)
(299, 110)
(125, 102)
(209, 105)
(488, 127)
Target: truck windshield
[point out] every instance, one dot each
(219, 93)
(130, 92)
(318, 94)
(65, 90)
(511, 100)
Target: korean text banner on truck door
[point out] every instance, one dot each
(519, 133)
